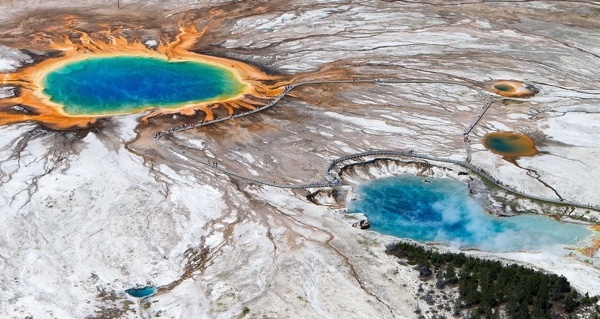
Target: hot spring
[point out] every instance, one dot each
(510, 144)
(127, 84)
(142, 292)
(441, 210)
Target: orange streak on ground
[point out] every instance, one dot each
(594, 248)
(246, 105)
(229, 107)
(30, 79)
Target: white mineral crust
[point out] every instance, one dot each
(86, 215)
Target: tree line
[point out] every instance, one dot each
(491, 290)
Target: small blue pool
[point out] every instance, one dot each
(142, 292)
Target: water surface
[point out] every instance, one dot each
(503, 87)
(126, 84)
(510, 144)
(142, 292)
(441, 210)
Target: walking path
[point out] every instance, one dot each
(474, 169)
(332, 178)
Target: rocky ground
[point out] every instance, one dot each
(88, 214)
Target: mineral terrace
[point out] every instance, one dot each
(88, 213)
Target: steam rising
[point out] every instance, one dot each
(441, 210)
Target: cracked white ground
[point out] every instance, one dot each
(83, 217)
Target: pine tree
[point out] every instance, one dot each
(571, 302)
(450, 275)
(523, 313)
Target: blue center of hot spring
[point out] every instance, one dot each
(506, 143)
(126, 84)
(442, 210)
(142, 292)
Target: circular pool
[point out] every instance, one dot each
(510, 144)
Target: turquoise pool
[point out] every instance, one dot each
(441, 210)
(142, 292)
(127, 84)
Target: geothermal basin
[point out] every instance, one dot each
(441, 210)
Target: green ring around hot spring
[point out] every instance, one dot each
(130, 84)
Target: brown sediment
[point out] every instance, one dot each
(555, 217)
(259, 86)
(522, 144)
(594, 248)
(511, 88)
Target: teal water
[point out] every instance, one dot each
(126, 84)
(442, 210)
(503, 87)
(142, 292)
(502, 144)
(507, 144)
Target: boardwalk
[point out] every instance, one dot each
(474, 169)
(332, 178)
